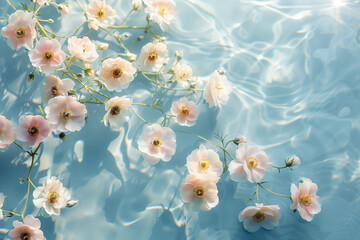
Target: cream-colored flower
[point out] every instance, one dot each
(102, 12)
(185, 111)
(153, 56)
(163, 12)
(54, 86)
(93, 23)
(117, 111)
(182, 74)
(217, 90)
(83, 49)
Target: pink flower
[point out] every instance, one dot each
(117, 73)
(82, 48)
(54, 86)
(182, 74)
(65, 114)
(153, 56)
(33, 129)
(93, 23)
(292, 161)
(157, 143)
(20, 30)
(42, 2)
(217, 90)
(163, 12)
(201, 188)
(102, 12)
(63, 8)
(185, 112)
(305, 199)
(47, 55)
(259, 216)
(7, 134)
(30, 229)
(250, 163)
(117, 111)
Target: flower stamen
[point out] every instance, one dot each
(152, 56)
(203, 164)
(48, 55)
(117, 73)
(156, 142)
(33, 130)
(55, 91)
(199, 192)
(53, 197)
(185, 111)
(19, 32)
(100, 13)
(25, 236)
(163, 10)
(305, 200)
(259, 216)
(251, 162)
(115, 110)
(65, 113)
(219, 89)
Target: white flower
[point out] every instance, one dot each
(82, 48)
(182, 74)
(52, 196)
(163, 12)
(185, 111)
(137, 4)
(93, 23)
(102, 12)
(117, 111)
(217, 90)
(2, 198)
(293, 161)
(153, 56)
(54, 86)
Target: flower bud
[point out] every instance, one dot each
(71, 92)
(239, 140)
(71, 203)
(103, 46)
(93, 23)
(62, 8)
(50, 20)
(137, 4)
(62, 136)
(179, 54)
(293, 161)
(130, 57)
(89, 72)
(79, 75)
(86, 65)
(31, 77)
(141, 37)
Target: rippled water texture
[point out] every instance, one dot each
(295, 69)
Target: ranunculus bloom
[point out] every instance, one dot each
(293, 161)
(157, 143)
(250, 163)
(202, 188)
(2, 198)
(217, 90)
(93, 23)
(185, 111)
(259, 216)
(305, 199)
(64, 9)
(117, 109)
(7, 134)
(163, 12)
(65, 114)
(47, 55)
(54, 86)
(30, 229)
(117, 73)
(21, 30)
(182, 74)
(101, 12)
(33, 129)
(205, 161)
(82, 48)
(52, 196)
(153, 56)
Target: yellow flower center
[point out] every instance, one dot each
(53, 197)
(116, 73)
(48, 55)
(156, 142)
(251, 162)
(33, 130)
(219, 89)
(25, 236)
(153, 56)
(19, 32)
(65, 113)
(204, 164)
(115, 110)
(185, 111)
(55, 91)
(100, 13)
(259, 216)
(163, 10)
(305, 200)
(1, 131)
(199, 192)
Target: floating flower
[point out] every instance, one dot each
(153, 56)
(182, 74)
(30, 229)
(41, 2)
(54, 86)
(83, 49)
(157, 143)
(20, 30)
(163, 12)
(305, 199)
(63, 8)
(259, 216)
(185, 112)
(65, 114)
(117, 111)
(250, 164)
(93, 23)
(47, 55)
(117, 73)
(202, 188)
(217, 90)
(52, 196)
(2, 198)
(33, 129)
(7, 134)
(293, 161)
(102, 12)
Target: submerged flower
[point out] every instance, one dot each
(117, 73)
(163, 12)
(52, 196)
(117, 111)
(250, 163)
(305, 199)
(157, 143)
(7, 134)
(185, 112)
(82, 48)
(293, 161)
(54, 86)
(20, 30)
(201, 188)
(259, 216)
(2, 198)
(217, 90)
(30, 229)
(182, 74)
(47, 55)
(65, 114)
(93, 23)
(153, 56)
(103, 13)
(33, 129)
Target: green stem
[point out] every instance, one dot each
(139, 116)
(277, 194)
(278, 168)
(148, 105)
(42, 29)
(8, 1)
(127, 15)
(19, 146)
(12, 212)
(257, 193)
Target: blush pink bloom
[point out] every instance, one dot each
(305, 199)
(185, 111)
(163, 12)
(33, 129)
(157, 143)
(54, 86)
(47, 55)
(41, 2)
(293, 161)
(93, 23)
(201, 188)
(30, 229)
(65, 114)
(259, 216)
(83, 49)
(63, 8)
(7, 134)
(117, 73)
(217, 90)
(102, 12)
(117, 111)
(20, 30)
(250, 163)
(182, 74)
(153, 56)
